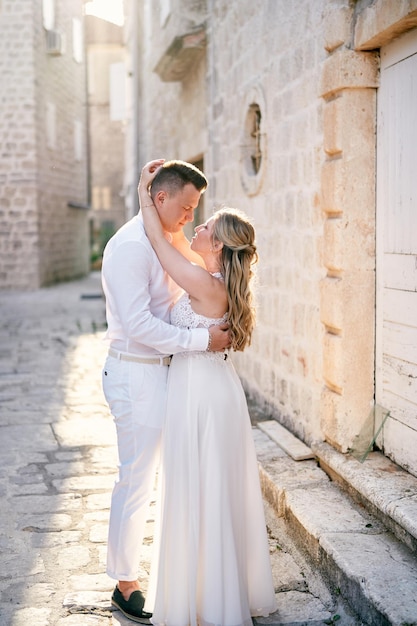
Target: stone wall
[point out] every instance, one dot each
(43, 135)
(283, 109)
(19, 237)
(272, 56)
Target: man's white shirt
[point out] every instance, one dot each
(139, 295)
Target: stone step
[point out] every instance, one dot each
(384, 488)
(350, 545)
(295, 448)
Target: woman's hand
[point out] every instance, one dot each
(151, 221)
(148, 173)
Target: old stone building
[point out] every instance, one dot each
(43, 169)
(106, 140)
(303, 115)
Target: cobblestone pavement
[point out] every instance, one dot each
(58, 465)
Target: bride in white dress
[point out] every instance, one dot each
(211, 565)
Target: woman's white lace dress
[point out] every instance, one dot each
(212, 565)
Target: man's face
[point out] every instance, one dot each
(175, 210)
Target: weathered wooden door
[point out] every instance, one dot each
(396, 218)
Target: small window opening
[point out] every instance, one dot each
(256, 153)
(253, 139)
(253, 148)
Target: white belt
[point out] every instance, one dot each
(151, 360)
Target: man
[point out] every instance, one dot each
(139, 295)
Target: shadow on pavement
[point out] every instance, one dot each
(57, 455)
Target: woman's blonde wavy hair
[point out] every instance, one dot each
(233, 229)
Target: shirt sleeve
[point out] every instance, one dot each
(126, 278)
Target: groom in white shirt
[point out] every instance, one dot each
(139, 295)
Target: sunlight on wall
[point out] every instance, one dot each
(110, 10)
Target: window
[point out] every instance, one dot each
(253, 133)
(117, 92)
(165, 10)
(253, 143)
(48, 14)
(77, 40)
(101, 198)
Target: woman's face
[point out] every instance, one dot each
(202, 242)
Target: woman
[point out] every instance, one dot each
(212, 563)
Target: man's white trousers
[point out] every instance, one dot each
(136, 395)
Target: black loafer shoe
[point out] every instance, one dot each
(132, 608)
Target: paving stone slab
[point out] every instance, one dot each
(88, 600)
(73, 557)
(282, 475)
(38, 594)
(386, 486)
(325, 509)
(383, 569)
(85, 432)
(98, 501)
(85, 483)
(65, 468)
(44, 522)
(266, 448)
(90, 582)
(28, 437)
(27, 489)
(293, 446)
(35, 616)
(15, 565)
(296, 609)
(99, 533)
(46, 540)
(87, 620)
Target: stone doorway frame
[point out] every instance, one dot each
(348, 198)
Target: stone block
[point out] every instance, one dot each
(332, 180)
(337, 25)
(331, 303)
(333, 244)
(359, 107)
(333, 362)
(349, 243)
(286, 440)
(343, 417)
(332, 127)
(346, 189)
(384, 564)
(348, 307)
(382, 21)
(348, 69)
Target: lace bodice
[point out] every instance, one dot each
(183, 316)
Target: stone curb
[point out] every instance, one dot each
(387, 491)
(353, 549)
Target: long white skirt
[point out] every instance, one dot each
(212, 565)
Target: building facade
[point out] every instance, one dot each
(300, 115)
(106, 57)
(44, 234)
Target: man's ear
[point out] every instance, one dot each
(160, 197)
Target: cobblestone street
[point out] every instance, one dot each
(58, 458)
(58, 465)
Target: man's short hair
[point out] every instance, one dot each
(174, 175)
